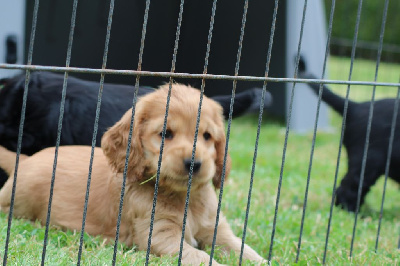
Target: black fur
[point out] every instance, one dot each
(43, 106)
(354, 142)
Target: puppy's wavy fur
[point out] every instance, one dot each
(43, 106)
(34, 174)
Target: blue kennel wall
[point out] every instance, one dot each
(313, 50)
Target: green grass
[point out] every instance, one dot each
(27, 238)
(364, 70)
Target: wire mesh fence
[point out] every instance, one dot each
(235, 78)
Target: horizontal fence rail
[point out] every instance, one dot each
(341, 42)
(188, 75)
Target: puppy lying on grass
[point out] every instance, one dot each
(43, 107)
(34, 176)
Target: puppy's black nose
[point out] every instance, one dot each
(196, 165)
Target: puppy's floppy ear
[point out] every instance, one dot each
(219, 162)
(220, 143)
(115, 141)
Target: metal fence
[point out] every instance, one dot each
(28, 67)
(365, 51)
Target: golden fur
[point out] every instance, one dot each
(34, 174)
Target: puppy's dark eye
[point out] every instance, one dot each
(168, 134)
(206, 135)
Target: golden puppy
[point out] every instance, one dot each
(34, 175)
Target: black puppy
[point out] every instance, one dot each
(354, 142)
(43, 106)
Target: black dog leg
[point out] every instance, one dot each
(347, 192)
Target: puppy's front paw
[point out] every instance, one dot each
(262, 261)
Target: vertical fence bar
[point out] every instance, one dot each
(239, 53)
(370, 116)
(210, 31)
(228, 132)
(389, 155)
(59, 129)
(289, 116)
(153, 210)
(315, 129)
(128, 149)
(96, 124)
(21, 126)
(266, 72)
(346, 103)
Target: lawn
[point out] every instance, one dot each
(27, 238)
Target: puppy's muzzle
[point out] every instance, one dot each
(196, 165)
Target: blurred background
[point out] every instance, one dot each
(54, 22)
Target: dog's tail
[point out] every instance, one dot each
(335, 101)
(7, 160)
